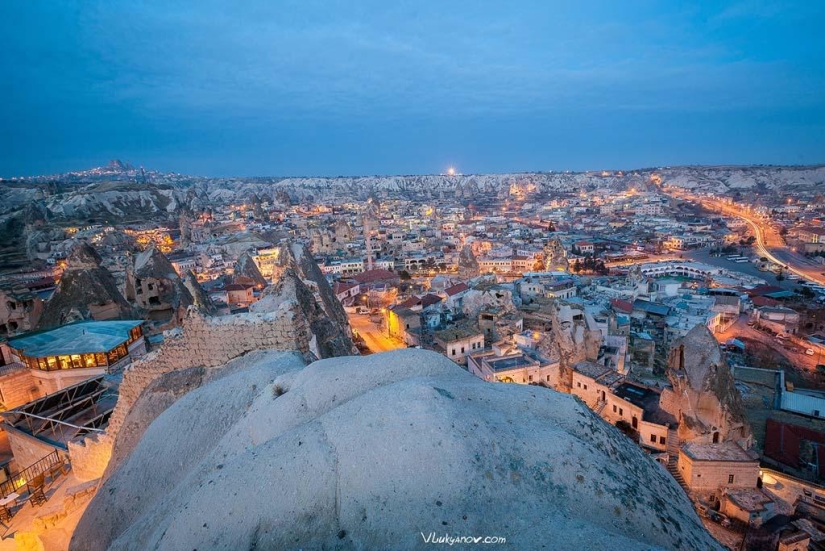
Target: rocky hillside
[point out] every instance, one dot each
(119, 191)
(377, 453)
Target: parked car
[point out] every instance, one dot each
(809, 352)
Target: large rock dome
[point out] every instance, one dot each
(379, 452)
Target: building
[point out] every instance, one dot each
(777, 318)
(404, 324)
(512, 367)
(240, 294)
(20, 310)
(619, 402)
(811, 234)
(712, 467)
(458, 342)
(748, 505)
(52, 360)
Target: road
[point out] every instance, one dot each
(793, 353)
(375, 340)
(768, 241)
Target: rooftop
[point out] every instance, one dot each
(590, 369)
(723, 451)
(506, 363)
(749, 499)
(77, 338)
(457, 332)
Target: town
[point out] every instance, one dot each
(691, 320)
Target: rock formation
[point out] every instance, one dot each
(200, 298)
(704, 398)
(86, 291)
(246, 271)
(153, 285)
(555, 257)
(573, 338)
(289, 317)
(467, 263)
(486, 296)
(369, 453)
(330, 337)
(298, 257)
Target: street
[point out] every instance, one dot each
(769, 243)
(793, 353)
(370, 331)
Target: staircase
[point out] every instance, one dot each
(599, 407)
(673, 458)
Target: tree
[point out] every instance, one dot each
(577, 267)
(404, 275)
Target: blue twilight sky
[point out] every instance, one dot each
(353, 87)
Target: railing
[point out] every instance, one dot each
(18, 480)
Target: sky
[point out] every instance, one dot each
(327, 88)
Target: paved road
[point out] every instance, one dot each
(371, 333)
(769, 243)
(794, 353)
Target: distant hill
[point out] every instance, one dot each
(119, 190)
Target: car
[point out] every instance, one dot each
(751, 323)
(781, 336)
(809, 351)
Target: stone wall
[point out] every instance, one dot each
(211, 342)
(90, 456)
(27, 449)
(17, 388)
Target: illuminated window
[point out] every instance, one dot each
(100, 359)
(89, 360)
(65, 362)
(51, 361)
(77, 361)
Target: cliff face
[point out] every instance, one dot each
(247, 271)
(574, 338)
(86, 291)
(704, 398)
(369, 453)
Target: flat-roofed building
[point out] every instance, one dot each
(517, 367)
(711, 467)
(61, 357)
(458, 342)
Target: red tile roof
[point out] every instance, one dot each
(238, 287)
(623, 306)
(455, 289)
(342, 287)
(430, 299)
(371, 276)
